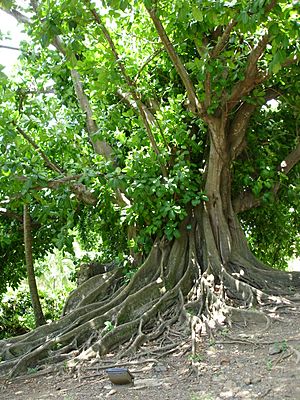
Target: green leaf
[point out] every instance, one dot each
(197, 14)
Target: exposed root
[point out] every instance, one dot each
(183, 288)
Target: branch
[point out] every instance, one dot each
(223, 40)
(263, 76)
(247, 200)
(48, 162)
(149, 59)
(126, 97)
(143, 110)
(194, 105)
(10, 214)
(238, 127)
(21, 18)
(78, 189)
(100, 146)
(290, 161)
(53, 183)
(5, 213)
(2, 46)
(251, 79)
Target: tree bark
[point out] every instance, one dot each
(35, 300)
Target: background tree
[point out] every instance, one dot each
(34, 295)
(162, 114)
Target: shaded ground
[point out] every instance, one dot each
(257, 361)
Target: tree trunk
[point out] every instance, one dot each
(35, 300)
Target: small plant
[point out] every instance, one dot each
(225, 332)
(196, 357)
(32, 370)
(269, 365)
(109, 326)
(283, 346)
(201, 397)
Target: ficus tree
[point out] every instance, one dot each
(153, 121)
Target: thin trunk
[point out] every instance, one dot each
(35, 300)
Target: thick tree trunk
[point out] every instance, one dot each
(35, 300)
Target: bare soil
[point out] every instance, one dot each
(256, 359)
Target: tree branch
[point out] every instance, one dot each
(2, 46)
(223, 40)
(21, 18)
(238, 127)
(247, 200)
(251, 79)
(143, 110)
(53, 183)
(78, 189)
(10, 214)
(126, 97)
(100, 146)
(149, 59)
(194, 104)
(48, 162)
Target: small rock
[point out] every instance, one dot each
(255, 379)
(160, 368)
(247, 381)
(107, 386)
(218, 378)
(244, 394)
(229, 385)
(227, 395)
(113, 391)
(252, 380)
(224, 361)
(275, 349)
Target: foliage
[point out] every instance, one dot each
(14, 316)
(41, 102)
(54, 283)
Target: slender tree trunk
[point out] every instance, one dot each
(35, 300)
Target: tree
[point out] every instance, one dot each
(162, 113)
(35, 300)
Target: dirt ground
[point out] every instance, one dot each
(258, 360)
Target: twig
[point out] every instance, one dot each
(2, 46)
(149, 59)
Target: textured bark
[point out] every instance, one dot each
(35, 300)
